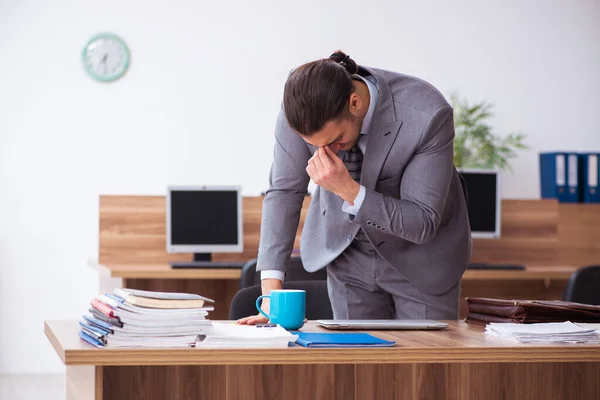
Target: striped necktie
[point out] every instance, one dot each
(353, 160)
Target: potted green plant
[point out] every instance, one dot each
(475, 146)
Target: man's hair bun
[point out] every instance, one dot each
(345, 61)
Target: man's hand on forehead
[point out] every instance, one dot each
(327, 170)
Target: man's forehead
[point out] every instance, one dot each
(326, 136)
(320, 140)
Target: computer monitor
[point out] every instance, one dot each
(204, 220)
(483, 191)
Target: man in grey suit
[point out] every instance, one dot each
(388, 218)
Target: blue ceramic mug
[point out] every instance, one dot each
(287, 308)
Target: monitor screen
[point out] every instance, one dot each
(204, 219)
(483, 207)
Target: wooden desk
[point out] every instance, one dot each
(164, 271)
(456, 363)
(541, 234)
(540, 283)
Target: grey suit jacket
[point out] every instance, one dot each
(414, 212)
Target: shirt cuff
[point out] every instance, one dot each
(271, 274)
(360, 197)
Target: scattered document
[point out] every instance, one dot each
(231, 335)
(552, 332)
(589, 325)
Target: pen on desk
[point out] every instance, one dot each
(266, 325)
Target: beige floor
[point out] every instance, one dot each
(32, 387)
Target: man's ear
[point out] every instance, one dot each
(354, 104)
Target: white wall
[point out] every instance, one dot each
(199, 103)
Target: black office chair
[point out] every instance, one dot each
(584, 286)
(318, 305)
(294, 272)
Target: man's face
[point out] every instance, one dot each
(336, 134)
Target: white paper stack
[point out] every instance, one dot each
(552, 332)
(232, 335)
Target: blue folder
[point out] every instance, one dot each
(105, 326)
(320, 340)
(114, 297)
(559, 176)
(93, 328)
(590, 171)
(90, 340)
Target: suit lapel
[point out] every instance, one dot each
(383, 133)
(378, 147)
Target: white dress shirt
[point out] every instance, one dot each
(362, 144)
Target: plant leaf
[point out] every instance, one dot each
(475, 145)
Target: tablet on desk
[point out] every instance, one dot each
(374, 324)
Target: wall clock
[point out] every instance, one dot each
(105, 57)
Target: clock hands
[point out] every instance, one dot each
(103, 61)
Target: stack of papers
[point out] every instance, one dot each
(136, 318)
(233, 336)
(553, 332)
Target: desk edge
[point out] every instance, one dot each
(303, 356)
(62, 354)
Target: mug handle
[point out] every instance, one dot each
(258, 306)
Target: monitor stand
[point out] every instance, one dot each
(204, 260)
(202, 256)
(496, 266)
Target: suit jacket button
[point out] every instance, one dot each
(349, 237)
(369, 223)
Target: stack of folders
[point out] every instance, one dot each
(570, 177)
(551, 332)
(137, 318)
